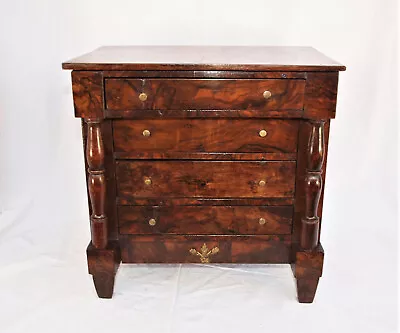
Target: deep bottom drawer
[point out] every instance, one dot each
(204, 249)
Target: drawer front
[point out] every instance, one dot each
(206, 135)
(203, 94)
(198, 220)
(207, 179)
(205, 249)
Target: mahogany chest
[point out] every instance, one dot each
(201, 154)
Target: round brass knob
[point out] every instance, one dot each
(261, 221)
(147, 181)
(152, 222)
(143, 97)
(146, 132)
(261, 183)
(263, 133)
(267, 94)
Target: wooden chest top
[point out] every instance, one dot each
(249, 58)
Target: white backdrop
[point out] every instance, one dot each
(44, 226)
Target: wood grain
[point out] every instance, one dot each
(96, 183)
(204, 158)
(198, 220)
(305, 128)
(176, 58)
(102, 265)
(213, 74)
(109, 172)
(87, 89)
(206, 179)
(267, 201)
(313, 187)
(182, 155)
(232, 249)
(307, 270)
(213, 114)
(202, 94)
(320, 95)
(205, 135)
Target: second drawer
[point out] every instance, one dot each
(205, 220)
(205, 179)
(205, 135)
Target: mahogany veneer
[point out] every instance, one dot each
(190, 94)
(201, 154)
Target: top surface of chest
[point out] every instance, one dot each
(254, 58)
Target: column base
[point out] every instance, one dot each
(307, 270)
(103, 265)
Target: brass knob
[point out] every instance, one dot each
(261, 183)
(143, 97)
(267, 94)
(261, 221)
(152, 222)
(263, 133)
(146, 132)
(147, 181)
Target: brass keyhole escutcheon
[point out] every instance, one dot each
(147, 181)
(262, 183)
(143, 97)
(267, 94)
(146, 132)
(263, 133)
(262, 221)
(152, 222)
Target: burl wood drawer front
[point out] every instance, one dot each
(206, 220)
(205, 135)
(205, 249)
(203, 94)
(207, 179)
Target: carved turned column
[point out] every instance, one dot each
(96, 183)
(313, 187)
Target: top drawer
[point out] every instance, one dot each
(203, 94)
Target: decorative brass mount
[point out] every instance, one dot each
(204, 253)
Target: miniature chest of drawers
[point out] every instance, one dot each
(201, 154)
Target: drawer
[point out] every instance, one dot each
(205, 135)
(198, 220)
(204, 94)
(207, 179)
(205, 249)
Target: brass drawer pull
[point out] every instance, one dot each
(146, 132)
(263, 133)
(152, 222)
(267, 94)
(147, 181)
(262, 221)
(204, 253)
(262, 183)
(143, 97)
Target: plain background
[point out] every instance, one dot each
(44, 228)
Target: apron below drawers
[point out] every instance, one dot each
(205, 249)
(206, 179)
(205, 220)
